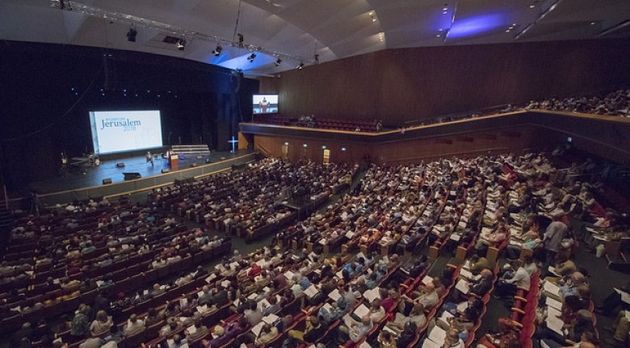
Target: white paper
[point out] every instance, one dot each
(311, 291)
(334, 295)
(271, 319)
(371, 295)
(462, 286)
(361, 311)
(550, 302)
(289, 275)
(437, 335)
(256, 329)
(191, 330)
(551, 288)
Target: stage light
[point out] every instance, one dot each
(181, 44)
(251, 57)
(593, 23)
(278, 62)
(217, 51)
(343, 149)
(305, 145)
(241, 39)
(301, 66)
(131, 35)
(324, 147)
(532, 5)
(286, 143)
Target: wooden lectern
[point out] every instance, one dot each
(173, 161)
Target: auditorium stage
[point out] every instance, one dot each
(75, 185)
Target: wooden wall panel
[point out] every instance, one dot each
(400, 85)
(517, 139)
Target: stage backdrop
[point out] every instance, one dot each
(400, 85)
(47, 92)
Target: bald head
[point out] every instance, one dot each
(578, 278)
(486, 273)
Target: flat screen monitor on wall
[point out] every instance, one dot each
(265, 103)
(124, 131)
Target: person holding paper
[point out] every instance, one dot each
(570, 286)
(520, 280)
(428, 297)
(416, 316)
(266, 335)
(197, 331)
(356, 331)
(313, 329)
(253, 314)
(453, 340)
(377, 312)
(564, 266)
(330, 314)
(478, 263)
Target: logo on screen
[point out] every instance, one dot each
(120, 122)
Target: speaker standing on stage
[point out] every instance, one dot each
(149, 158)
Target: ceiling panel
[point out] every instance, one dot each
(300, 28)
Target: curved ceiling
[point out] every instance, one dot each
(297, 30)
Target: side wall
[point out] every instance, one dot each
(401, 85)
(499, 140)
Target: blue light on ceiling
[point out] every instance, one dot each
(476, 25)
(241, 62)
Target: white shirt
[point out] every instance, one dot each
(521, 278)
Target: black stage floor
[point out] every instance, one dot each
(94, 176)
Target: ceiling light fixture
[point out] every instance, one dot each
(131, 35)
(217, 51)
(241, 40)
(172, 30)
(372, 14)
